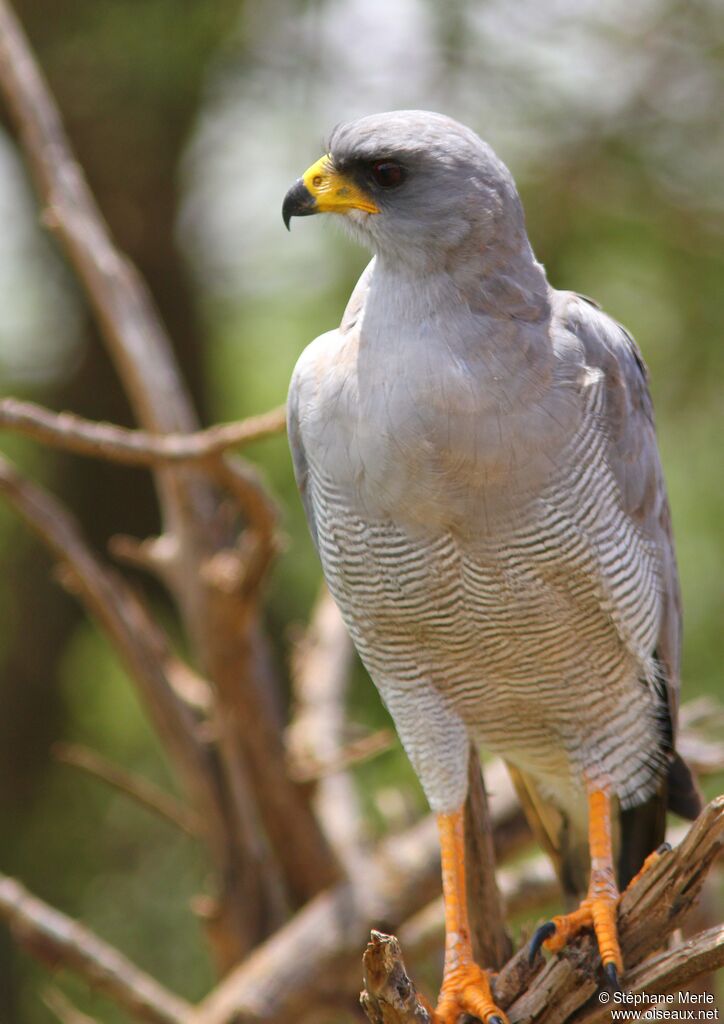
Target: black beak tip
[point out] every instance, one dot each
(298, 202)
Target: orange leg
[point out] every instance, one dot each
(465, 986)
(598, 910)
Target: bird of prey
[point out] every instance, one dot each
(477, 458)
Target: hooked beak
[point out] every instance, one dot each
(324, 189)
(298, 202)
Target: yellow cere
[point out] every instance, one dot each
(333, 192)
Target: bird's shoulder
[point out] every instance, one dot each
(610, 351)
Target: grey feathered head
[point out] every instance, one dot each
(413, 185)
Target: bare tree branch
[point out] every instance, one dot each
(59, 1004)
(144, 650)
(135, 336)
(72, 433)
(118, 609)
(134, 786)
(491, 942)
(60, 940)
(320, 674)
(699, 739)
(366, 748)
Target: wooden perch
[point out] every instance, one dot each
(389, 994)
(649, 912)
(63, 942)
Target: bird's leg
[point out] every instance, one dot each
(465, 986)
(598, 910)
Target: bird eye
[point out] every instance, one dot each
(388, 174)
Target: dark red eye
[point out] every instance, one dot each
(388, 174)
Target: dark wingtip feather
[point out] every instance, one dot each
(684, 796)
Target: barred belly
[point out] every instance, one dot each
(539, 635)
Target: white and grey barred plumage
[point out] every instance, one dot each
(477, 457)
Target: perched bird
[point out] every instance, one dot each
(477, 459)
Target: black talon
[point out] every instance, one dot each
(664, 848)
(495, 1019)
(545, 931)
(612, 977)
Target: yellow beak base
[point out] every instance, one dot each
(333, 192)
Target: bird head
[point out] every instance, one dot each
(413, 185)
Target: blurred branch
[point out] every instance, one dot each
(60, 941)
(59, 1004)
(491, 942)
(305, 768)
(320, 675)
(258, 545)
(106, 441)
(72, 433)
(134, 786)
(118, 609)
(699, 741)
(143, 649)
(125, 311)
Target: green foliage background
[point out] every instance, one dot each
(191, 120)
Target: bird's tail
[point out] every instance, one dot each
(637, 831)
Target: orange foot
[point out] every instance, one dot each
(597, 913)
(466, 989)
